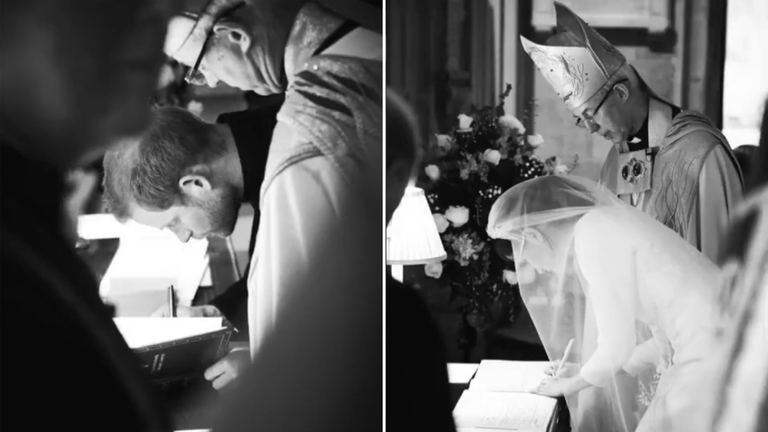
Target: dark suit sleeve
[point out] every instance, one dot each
(233, 303)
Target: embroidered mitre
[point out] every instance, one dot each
(577, 62)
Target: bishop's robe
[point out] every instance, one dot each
(696, 182)
(324, 163)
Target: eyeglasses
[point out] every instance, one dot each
(194, 76)
(587, 122)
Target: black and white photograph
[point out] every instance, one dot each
(384, 215)
(585, 220)
(191, 215)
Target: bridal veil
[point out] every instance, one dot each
(541, 218)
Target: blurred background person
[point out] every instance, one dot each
(418, 393)
(741, 382)
(745, 154)
(76, 77)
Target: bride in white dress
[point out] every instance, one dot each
(640, 304)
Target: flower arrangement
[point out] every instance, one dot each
(486, 154)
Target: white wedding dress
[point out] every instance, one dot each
(640, 303)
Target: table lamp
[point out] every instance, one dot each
(412, 236)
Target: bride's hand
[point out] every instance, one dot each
(569, 369)
(549, 387)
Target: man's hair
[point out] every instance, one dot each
(146, 170)
(403, 136)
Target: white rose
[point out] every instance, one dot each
(458, 216)
(440, 222)
(561, 169)
(511, 123)
(535, 140)
(510, 277)
(443, 141)
(433, 172)
(526, 274)
(492, 156)
(537, 301)
(465, 121)
(195, 108)
(434, 270)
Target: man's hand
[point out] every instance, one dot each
(229, 368)
(206, 311)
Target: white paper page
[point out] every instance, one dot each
(147, 262)
(461, 373)
(499, 410)
(98, 227)
(207, 280)
(140, 332)
(508, 376)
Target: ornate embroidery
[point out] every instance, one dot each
(556, 68)
(634, 171)
(648, 392)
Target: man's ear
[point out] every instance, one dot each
(195, 185)
(235, 33)
(622, 92)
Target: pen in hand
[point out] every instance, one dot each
(567, 353)
(171, 302)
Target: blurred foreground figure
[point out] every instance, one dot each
(418, 393)
(75, 76)
(742, 377)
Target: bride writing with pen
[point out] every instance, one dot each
(631, 308)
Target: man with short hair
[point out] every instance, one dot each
(191, 177)
(75, 77)
(326, 149)
(673, 164)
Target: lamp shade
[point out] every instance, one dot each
(412, 236)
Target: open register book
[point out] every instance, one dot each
(146, 263)
(498, 399)
(175, 349)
